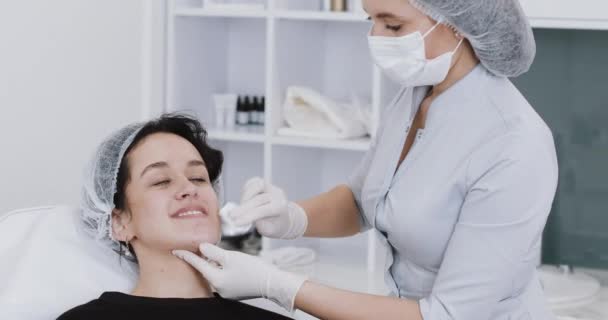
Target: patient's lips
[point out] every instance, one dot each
(190, 213)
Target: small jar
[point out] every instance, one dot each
(338, 5)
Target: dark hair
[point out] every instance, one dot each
(181, 125)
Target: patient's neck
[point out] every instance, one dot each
(166, 276)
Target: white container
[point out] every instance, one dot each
(225, 110)
(230, 117)
(355, 6)
(220, 118)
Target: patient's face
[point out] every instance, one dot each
(169, 196)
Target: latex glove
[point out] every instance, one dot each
(242, 276)
(267, 206)
(289, 257)
(292, 259)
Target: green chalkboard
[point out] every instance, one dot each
(568, 86)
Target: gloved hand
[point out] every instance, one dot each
(268, 207)
(242, 276)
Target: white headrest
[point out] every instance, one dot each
(47, 265)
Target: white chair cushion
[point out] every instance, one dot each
(48, 266)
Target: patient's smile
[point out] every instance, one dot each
(190, 214)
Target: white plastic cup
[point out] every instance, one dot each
(225, 110)
(219, 117)
(355, 6)
(326, 5)
(230, 117)
(219, 112)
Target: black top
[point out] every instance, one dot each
(119, 306)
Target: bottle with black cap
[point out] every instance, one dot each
(262, 113)
(239, 103)
(242, 115)
(253, 111)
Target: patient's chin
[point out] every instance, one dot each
(193, 244)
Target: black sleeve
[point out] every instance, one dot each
(240, 310)
(89, 311)
(214, 309)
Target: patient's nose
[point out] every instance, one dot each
(187, 189)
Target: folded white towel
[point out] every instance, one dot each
(310, 114)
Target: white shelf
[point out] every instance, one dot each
(567, 14)
(580, 24)
(311, 15)
(361, 144)
(279, 14)
(252, 134)
(320, 15)
(225, 13)
(536, 22)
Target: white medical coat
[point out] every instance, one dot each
(462, 217)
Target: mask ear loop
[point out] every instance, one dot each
(459, 42)
(431, 29)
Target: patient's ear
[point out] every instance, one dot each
(120, 225)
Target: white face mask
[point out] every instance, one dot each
(404, 60)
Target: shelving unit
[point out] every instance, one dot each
(291, 42)
(263, 52)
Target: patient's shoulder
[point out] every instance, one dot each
(92, 310)
(240, 310)
(119, 306)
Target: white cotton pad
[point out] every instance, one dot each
(229, 228)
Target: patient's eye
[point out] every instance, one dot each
(198, 180)
(162, 183)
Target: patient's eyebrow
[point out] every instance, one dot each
(162, 164)
(156, 165)
(196, 163)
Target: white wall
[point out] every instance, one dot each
(70, 72)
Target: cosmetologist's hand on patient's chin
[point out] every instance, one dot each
(237, 275)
